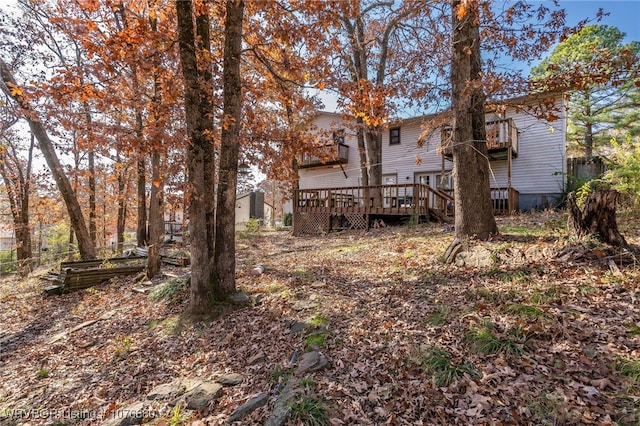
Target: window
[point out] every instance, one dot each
(444, 181)
(394, 136)
(422, 178)
(338, 136)
(389, 179)
(389, 195)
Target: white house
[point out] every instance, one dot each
(252, 205)
(526, 158)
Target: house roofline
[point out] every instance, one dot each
(488, 107)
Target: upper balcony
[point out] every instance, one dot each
(328, 155)
(502, 135)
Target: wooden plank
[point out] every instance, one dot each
(98, 262)
(142, 251)
(83, 278)
(54, 289)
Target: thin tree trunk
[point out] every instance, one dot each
(93, 227)
(362, 151)
(473, 211)
(225, 249)
(156, 197)
(17, 185)
(156, 225)
(122, 212)
(78, 224)
(141, 228)
(588, 134)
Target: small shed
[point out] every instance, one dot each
(250, 205)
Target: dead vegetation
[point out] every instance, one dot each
(547, 332)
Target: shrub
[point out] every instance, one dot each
(288, 219)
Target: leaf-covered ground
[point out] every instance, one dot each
(548, 333)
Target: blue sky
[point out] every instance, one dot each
(624, 14)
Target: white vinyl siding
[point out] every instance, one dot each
(334, 176)
(538, 168)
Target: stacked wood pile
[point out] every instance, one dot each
(77, 275)
(86, 273)
(177, 257)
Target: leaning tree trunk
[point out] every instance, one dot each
(598, 218)
(78, 225)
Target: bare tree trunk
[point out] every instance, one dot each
(598, 218)
(207, 112)
(362, 151)
(225, 252)
(156, 225)
(141, 228)
(93, 228)
(17, 184)
(199, 149)
(122, 212)
(473, 211)
(78, 224)
(588, 135)
(374, 155)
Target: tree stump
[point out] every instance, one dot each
(598, 218)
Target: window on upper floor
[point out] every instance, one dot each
(338, 136)
(394, 136)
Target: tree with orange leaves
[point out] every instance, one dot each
(9, 85)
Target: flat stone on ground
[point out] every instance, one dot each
(200, 396)
(230, 379)
(167, 391)
(310, 362)
(297, 326)
(282, 407)
(250, 406)
(259, 357)
(303, 305)
(239, 298)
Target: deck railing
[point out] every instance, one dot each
(400, 199)
(504, 200)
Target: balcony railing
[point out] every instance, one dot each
(501, 135)
(328, 155)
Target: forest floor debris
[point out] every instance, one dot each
(547, 332)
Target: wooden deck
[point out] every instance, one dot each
(321, 210)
